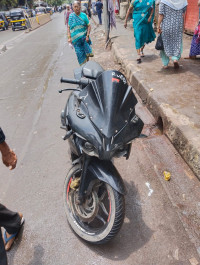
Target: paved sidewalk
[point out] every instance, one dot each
(172, 95)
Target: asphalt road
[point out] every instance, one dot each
(7, 35)
(159, 227)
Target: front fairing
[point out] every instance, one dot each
(79, 121)
(110, 102)
(103, 113)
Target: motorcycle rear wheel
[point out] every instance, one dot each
(100, 218)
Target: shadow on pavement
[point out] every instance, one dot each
(38, 254)
(149, 58)
(134, 233)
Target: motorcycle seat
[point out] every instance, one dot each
(92, 70)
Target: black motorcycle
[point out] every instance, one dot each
(100, 121)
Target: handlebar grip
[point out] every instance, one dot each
(82, 81)
(70, 81)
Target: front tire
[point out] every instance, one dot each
(100, 218)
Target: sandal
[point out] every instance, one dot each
(142, 54)
(139, 59)
(12, 237)
(176, 65)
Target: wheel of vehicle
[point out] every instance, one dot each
(13, 29)
(101, 215)
(3, 28)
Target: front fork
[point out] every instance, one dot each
(83, 181)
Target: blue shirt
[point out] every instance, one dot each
(99, 6)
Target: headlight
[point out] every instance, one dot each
(88, 146)
(89, 149)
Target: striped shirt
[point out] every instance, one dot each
(2, 136)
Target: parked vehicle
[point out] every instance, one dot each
(49, 10)
(40, 10)
(3, 22)
(101, 123)
(18, 19)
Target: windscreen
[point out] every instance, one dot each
(110, 101)
(16, 15)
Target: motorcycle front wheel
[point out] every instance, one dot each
(101, 215)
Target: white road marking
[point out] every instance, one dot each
(150, 190)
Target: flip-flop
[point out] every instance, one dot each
(176, 65)
(7, 239)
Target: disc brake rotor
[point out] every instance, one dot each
(89, 209)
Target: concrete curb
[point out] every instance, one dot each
(39, 21)
(173, 122)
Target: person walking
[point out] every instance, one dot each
(66, 14)
(78, 34)
(143, 16)
(195, 45)
(10, 221)
(99, 7)
(170, 24)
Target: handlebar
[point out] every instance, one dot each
(82, 81)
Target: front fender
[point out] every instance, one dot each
(105, 171)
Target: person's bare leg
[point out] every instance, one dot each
(138, 56)
(142, 51)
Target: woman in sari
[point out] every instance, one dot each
(170, 24)
(78, 33)
(195, 45)
(143, 15)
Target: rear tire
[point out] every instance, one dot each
(98, 230)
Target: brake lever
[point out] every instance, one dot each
(68, 89)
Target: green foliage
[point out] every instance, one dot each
(56, 2)
(8, 3)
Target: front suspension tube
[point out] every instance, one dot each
(82, 192)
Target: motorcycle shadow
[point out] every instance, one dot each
(134, 233)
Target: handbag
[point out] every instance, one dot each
(159, 43)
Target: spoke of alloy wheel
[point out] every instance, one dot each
(90, 200)
(103, 208)
(102, 196)
(101, 219)
(82, 210)
(90, 209)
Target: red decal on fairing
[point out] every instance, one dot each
(115, 80)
